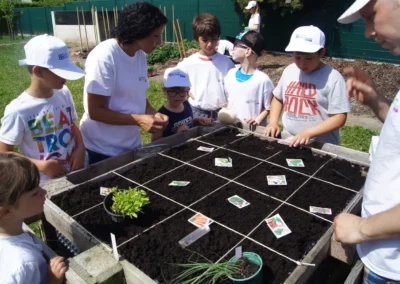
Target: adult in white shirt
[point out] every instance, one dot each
(116, 82)
(255, 18)
(377, 232)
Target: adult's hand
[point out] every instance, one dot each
(360, 86)
(153, 123)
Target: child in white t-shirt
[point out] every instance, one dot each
(21, 197)
(41, 121)
(207, 68)
(255, 18)
(248, 89)
(311, 94)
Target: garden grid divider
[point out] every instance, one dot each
(228, 181)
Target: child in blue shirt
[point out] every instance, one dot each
(177, 108)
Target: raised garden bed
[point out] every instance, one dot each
(151, 242)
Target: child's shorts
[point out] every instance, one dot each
(373, 278)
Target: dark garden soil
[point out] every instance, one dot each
(155, 251)
(187, 151)
(222, 137)
(247, 268)
(312, 161)
(257, 179)
(306, 231)
(201, 184)
(344, 173)
(255, 147)
(240, 163)
(320, 194)
(218, 208)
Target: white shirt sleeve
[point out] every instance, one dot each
(99, 77)
(338, 101)
(267, 96)
(278, 91)
(71, 103)
(28, 273)
(257, 19)
(12, 128)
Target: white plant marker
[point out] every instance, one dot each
(114, 246)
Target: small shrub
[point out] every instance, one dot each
(129, 202)
(168, 51)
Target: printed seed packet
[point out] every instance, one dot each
(277, 180)
(205, 149)
(199, 220)
(278, 226)
(297, 163)
(223, 162)
(105, 191)
(320, 210)
(179, 183)
(238, 201)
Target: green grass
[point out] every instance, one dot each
(7, 39)
(14, 79)
(356, 137)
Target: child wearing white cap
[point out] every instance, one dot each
(255, 18)
(311, 94)
(41, 121)
(180, 114)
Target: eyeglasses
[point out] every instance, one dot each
(240, 45)
(176, 93)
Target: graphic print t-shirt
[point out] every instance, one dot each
(309, 99)
(41, 127)
(176, 120)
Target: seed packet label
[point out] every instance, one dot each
(238, 253)
(114, 247)
(241, 134)
(277, 180)
(105, 191)
(199, 220)
(194, 236)
(223, 162)
(179, 183)
(278, 226)
(296, 163)
(238, 201)
(320, 210)
(205, 149)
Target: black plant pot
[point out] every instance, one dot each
(108, 202)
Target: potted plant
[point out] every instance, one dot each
(246, 269)
(121, 203)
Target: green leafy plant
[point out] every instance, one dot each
(129, 202)
(168, 51)
(150, 68)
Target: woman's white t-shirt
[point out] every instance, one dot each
(123, 79)
(255, 19)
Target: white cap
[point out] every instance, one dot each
(175, 77)
(251, 4)
(52, 53)
(353, 13)
(308, 39)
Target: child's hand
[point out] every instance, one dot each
(302, 138)
(182, 128)
(360, 86)
(56, 270)
(77, 160)
(272, 130)
(204, 120)
(53, 168)
(253, 121)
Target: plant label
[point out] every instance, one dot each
(194, 236)
(179, 183)
(205, 149)
(223, 162)
(114, 247)
(241, 134)
(296, 163)
(278, 226)
(320, 210)
(238, 201)
(199, 220)
(238, 253)
(277, 180)
(105, 191)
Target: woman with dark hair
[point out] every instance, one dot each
(116, 82)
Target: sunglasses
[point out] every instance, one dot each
(241, 46)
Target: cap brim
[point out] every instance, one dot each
(302, 46)
(69, 72)
(248, 7)
(352, 14)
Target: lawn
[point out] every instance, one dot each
(5, 39)
(14, 79)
